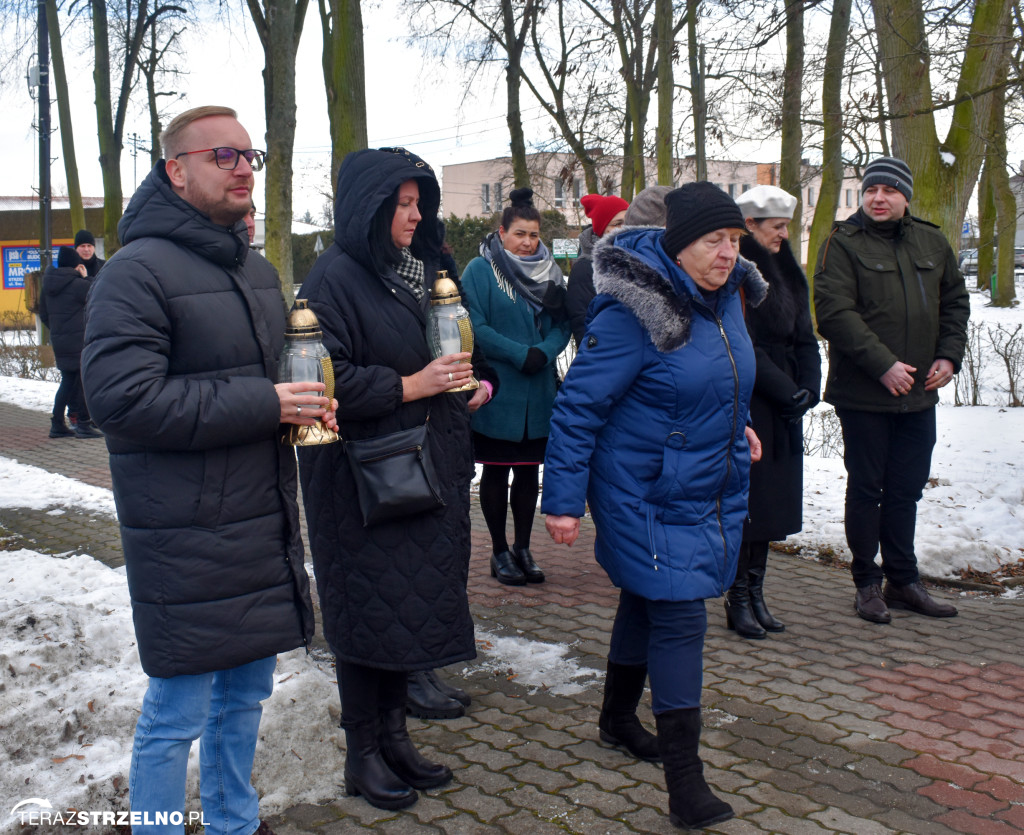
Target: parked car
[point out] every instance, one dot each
(969, 260)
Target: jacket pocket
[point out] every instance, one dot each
(211, 494)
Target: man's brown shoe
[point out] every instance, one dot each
(871, 606)
(916, 598)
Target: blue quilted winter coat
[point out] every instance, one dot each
(649, 423)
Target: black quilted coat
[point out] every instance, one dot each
(62, 309)
(183, 330)
(788, 359)
(393, 595)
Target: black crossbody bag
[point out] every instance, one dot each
(394, 474)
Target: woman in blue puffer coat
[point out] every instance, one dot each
(650, 427)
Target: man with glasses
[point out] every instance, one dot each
(185, 326)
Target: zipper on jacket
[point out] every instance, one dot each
(732, 435)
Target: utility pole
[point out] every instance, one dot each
(45, 236)
(136, 145)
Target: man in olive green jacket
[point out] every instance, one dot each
(891, 301)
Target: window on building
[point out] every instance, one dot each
(746, 187)
(810, 196)
(577, 190)
(485, 198)
(849, 198)
(559, 194)
(732, 190)
(498, 197)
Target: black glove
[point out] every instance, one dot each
(799, 403)
(535, 360)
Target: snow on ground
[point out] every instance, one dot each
(72, 687)
(22, 485)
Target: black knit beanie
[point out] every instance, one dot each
(67, 257)
(84, 236)
(694, 210)
(889, 171)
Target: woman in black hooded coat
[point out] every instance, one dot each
(787, 384)
(393, 594)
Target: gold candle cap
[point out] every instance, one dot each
(302, 321)
(444, 291)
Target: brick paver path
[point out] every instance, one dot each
(836, 725)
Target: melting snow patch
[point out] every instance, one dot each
(947, 157)
(22, 485)
(533, 664)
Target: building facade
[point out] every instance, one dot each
(479, 189)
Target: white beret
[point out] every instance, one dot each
(766, 201)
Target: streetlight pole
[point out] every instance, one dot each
(45, 236)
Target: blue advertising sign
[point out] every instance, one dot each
(18, 262)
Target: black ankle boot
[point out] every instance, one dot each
(449, 690)
(524, 559)
(59, 429)
(739, 615)
(425, 701)
(691, 803)
(367, 774)
(619, 724)
(505, 570)
(402, 757)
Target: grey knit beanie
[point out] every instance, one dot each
(648, 207)
(889, 171)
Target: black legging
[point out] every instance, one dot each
(369, 691)
(69, 396)
(495, 498)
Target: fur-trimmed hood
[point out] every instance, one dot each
(633, 268)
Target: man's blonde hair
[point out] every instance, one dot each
(170, 139)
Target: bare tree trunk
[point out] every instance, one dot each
(1004, 291)
(664, 134)
(67, 134)
(110, 146)
(279, 25)
(697, 97)
(832, 141)
(344, 78)
(790, 168)
(945, 171)
(986, 223)
(513, 114)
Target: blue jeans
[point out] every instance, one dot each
(223, 711)
(667, 636)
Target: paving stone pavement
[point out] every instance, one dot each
(835, 726)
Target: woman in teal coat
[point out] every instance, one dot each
(515, 293)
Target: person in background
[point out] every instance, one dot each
(515, 293)
(250, 223)
(607, 214)
(393, 594)
(891, 301)
(447, 254)
(787, 384)
(85, 246)
(184, 329)
(650, 429)
(62, 309)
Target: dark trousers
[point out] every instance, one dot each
(888, 457)
(367, 692)
(69, 396)
(667, 636)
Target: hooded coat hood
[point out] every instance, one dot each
(365, 180)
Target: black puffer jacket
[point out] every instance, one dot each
(183, 330)
(393, 595)
(788, 359)
(62, 309)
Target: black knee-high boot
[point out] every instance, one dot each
(366, 772)
(738, 614)
(396, 746)
(756, 567)
(619, 724)
(691, 803)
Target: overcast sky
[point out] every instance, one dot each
(409, 102)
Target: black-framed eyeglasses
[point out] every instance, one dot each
(227, 158)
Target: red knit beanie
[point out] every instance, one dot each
(601, 208)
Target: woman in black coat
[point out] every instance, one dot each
(62, 309)
(787, 384)
(393, 594)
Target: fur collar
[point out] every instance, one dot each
(665, 314)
